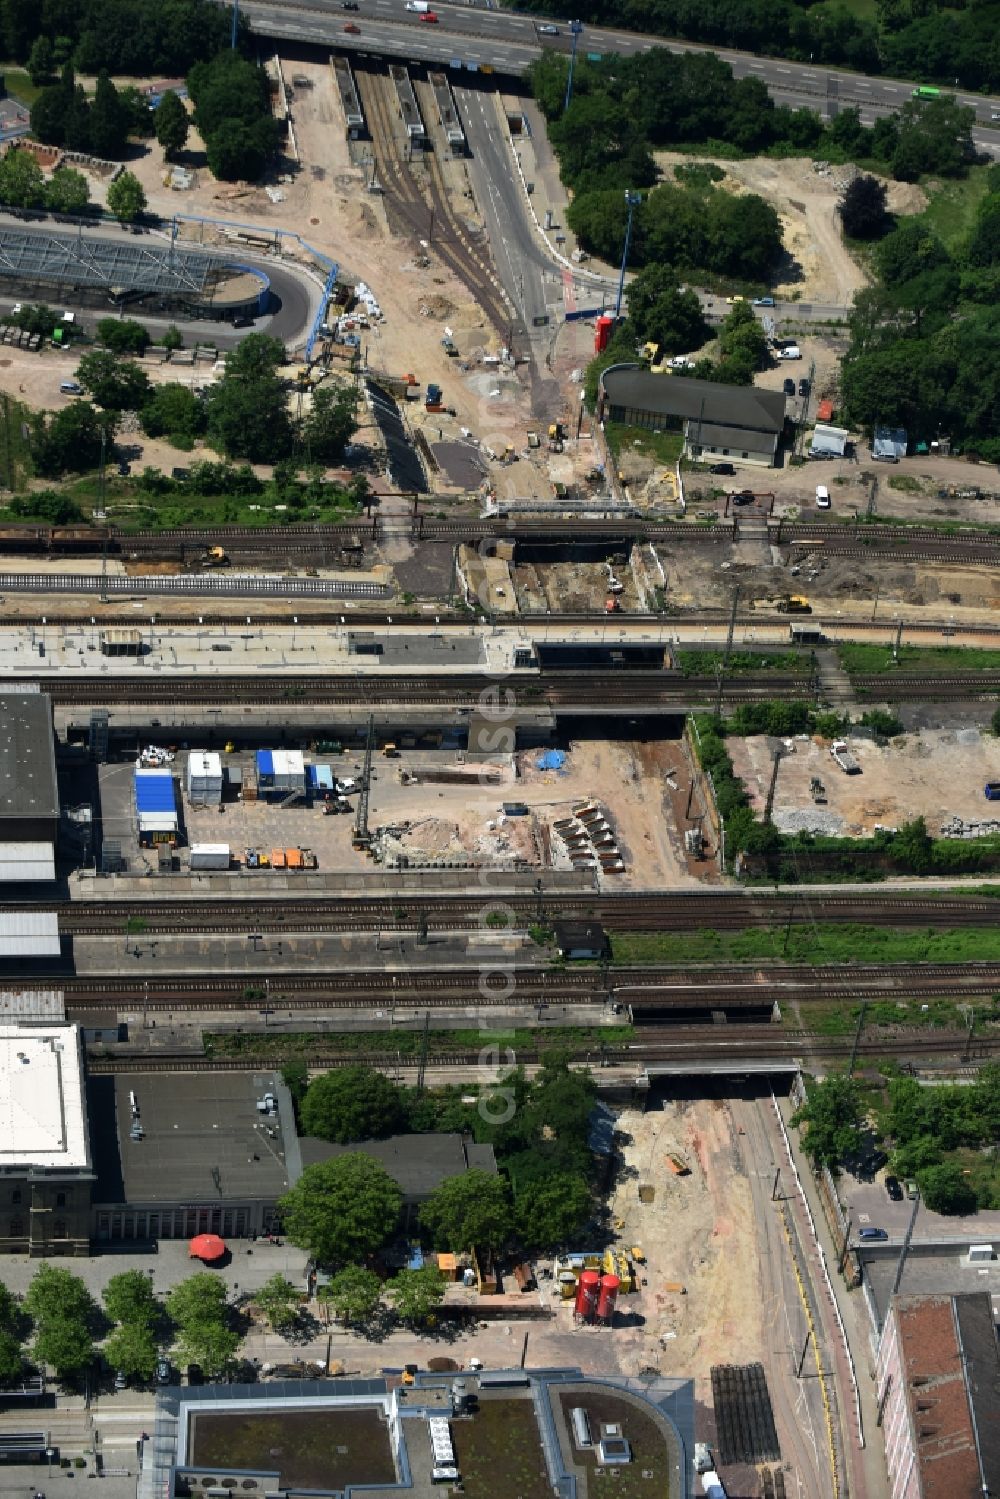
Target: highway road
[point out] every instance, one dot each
(509, 42)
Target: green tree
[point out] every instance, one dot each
(40, 61)
(173, 338)
(946, 1189)
(49, 114)
(128, 1297)
(330, 423)
(57, 1295)
(126, 198)
(68, 442)
(416, 1295)
(22, 184)
(11, 1353)
(247, 409)
(995, 722)
(131, 1348)
(342, 1210)
(172, 125)
(548, 1213)
(108, 121)
(199, 1298)
(123, 335)
(279, 1301)
(354, 1293)
(832, 1114)
(862, 209)
(175, 411)
(67, 191)
(352, 1103)
(473, 1209)
(66, 1345)
(116, 384)
(211, 1345)
(659, 311)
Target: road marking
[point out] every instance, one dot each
(784, 70)
(890, 88)
(864, 85)
(757, 65)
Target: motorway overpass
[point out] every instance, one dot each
(480, 40)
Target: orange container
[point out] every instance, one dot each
(277, 858)
(293, 858)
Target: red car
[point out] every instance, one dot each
(428, 15)
(351, 27)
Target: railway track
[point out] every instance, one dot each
(406, 912)
(486, 986)
(655, 691)
(433, 223)
(746, 1042)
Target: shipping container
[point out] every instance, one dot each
(204, 777)
(210, 856)
(277, 858)
(293, 858)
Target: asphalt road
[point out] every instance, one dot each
(508, 42)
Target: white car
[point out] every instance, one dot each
(822, 497)
(791, 351)
(680, 362)
(548, 30)
(344, 788)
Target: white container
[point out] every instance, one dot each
(289, 770)
(204, 777)
(210, 856)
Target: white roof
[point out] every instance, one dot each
(204, 763)
(27, 861)
(289, 763)
(157, 822)
(29, 934)
(41, 1097)
(210, 848)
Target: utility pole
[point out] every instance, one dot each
(575, 28)
(362, 837)
(727, 650)
(901, 1264)
(805, 1349)
(632, 201)
(857, 1038)
(236, 24)
(769, 799)
(424, 1044)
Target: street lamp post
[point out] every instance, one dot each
(575, 28)
(632, 201)
(236, 24)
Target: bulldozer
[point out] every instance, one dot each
(215, 557)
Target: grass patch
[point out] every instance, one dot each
(700, 663)
(839, 1019)
(499, 1453)
(19, 85)
(906, 483)
(953, 205)
(663, 447)
(15, 453)
(311, 1449)
(648, 1474)
(817, 944)
(867, 660)
(309, 1044)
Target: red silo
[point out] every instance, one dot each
(608, 1298)
(602, 333)
(587, 1292)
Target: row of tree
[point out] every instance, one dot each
(64, 115)
(924, 352)
(23, 185)
(139, 38)
(921, 39)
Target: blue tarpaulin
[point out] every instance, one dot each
(265, 764)
(154, 793)
(552, 760)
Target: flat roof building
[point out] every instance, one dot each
(718, 421)
(417, 1163)
(181, 1154)
(45, 1163)
(29, 794)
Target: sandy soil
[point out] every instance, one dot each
(935, 774)
(818, 267)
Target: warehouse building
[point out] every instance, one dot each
(938, 1379)
(45, 1163)
(281, 774)
(29, 795)
(418, 1164)
(718, 421)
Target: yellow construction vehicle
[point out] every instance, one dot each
(215, 557)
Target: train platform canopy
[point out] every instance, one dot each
(26, 861)
(29, 934)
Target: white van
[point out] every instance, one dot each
(822, 497)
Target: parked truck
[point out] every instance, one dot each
(210, 856)
(844, 758)
(420, 6)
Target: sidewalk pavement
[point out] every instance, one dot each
(247, 1267)
(867, 1474)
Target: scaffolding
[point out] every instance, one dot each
(118, 270)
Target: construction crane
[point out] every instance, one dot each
(362, 837)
